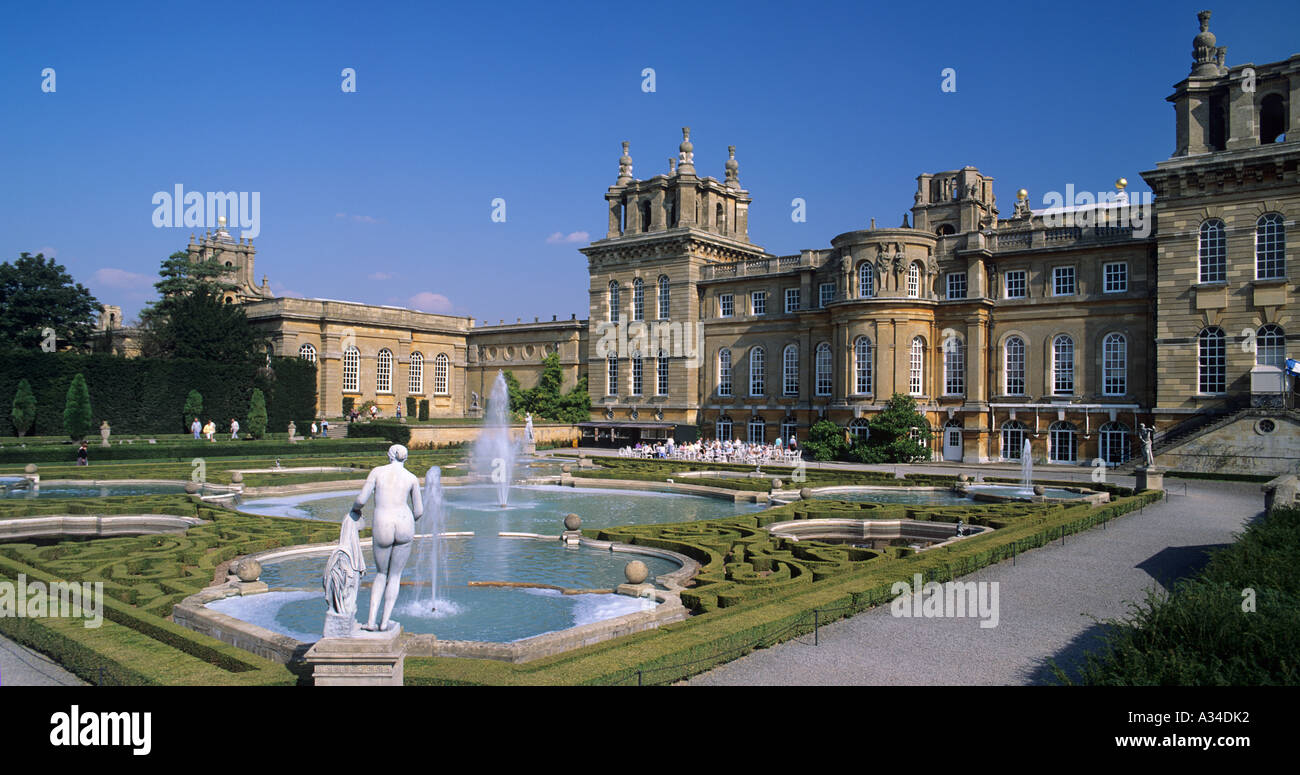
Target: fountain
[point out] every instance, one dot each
(433, 550)
(1026, 469)
(494, 449)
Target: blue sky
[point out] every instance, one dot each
(384, 195)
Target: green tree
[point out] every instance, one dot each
(24, 409)
(191, 318)
(575, 406)
(37, 293)
(825, 441)
(77, 417)
(257, 414)
(898, 434)
(518, 398)
(193, 408)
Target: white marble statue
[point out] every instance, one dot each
(393, 528)
(343, 572)
(528, 426)
(1147, 435)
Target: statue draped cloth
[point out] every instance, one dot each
(344, 569)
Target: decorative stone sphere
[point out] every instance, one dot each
(1022, 194)
(963, 477)
(566, 468)
(237, 477)
(249, 570)
(1039, 489)
(572, 521)
(805, 493)
(1121, 184)
(191, 487)
(636, 572)
(30, 468)
(777, 484)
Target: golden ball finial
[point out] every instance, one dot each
(1121, 184)
(221, 221)
(1022, 194)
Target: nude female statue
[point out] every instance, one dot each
(393, 528)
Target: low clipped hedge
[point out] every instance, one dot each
(394, 432)
(186, 451)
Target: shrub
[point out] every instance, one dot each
(257, 414)
(77, 420)
(410, 406)
(825, 441)
(193, 408)
(24, 409)
(396, 432)
(348, 402)
(424, 408)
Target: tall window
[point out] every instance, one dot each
(1114, 277)
(758, 302)
(788, 430)
(611, 376)
(724, 372)
(1017, 285)
(916, 367)
(1015, 365)
(1270, 247)
(638, 299)
(790, 370)
(726, 305)
(384, 372)
(440, 371)
(636, 374)
(1063, 281)
(664, 297)
(956, 285)
(823, 369)
(756, 381)
(613, 302)
(1114, 365)
(415, 374)
(1213, 251)
(1013, 439)
(756, 428)
(720, 219)
(954, 367)
(866, 280)
(914, 280)
(352, 370)
(1062, 365)
(825, 294)
(661, 374)
(859, 430)
(1063, 443)
(1212, 361)
(1270, 347)
(1114, 444)
(307, 352)
(791, 299)
(724, 429)
(862, 365)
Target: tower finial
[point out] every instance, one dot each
(672, 165)
(624, 167)
(686, 155)
(1205, 54)
(733, 168)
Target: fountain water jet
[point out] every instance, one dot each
(1026, 469)
(493, 449)
(433, 551)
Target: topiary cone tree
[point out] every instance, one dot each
(193, 408)
(24, 409)
(76, 413)
(257, 414)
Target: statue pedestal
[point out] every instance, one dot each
(365, 659)
(1149, 478)
(530, 448)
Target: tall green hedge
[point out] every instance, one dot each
(146, 395)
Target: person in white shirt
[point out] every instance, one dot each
(234, 429)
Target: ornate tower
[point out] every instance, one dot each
(237, 255)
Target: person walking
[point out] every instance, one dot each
(196, 428)
(234, 429)
(210, 431)
(313, 429)
(325, 427)
(83, 455)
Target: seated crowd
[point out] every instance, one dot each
(716, 451)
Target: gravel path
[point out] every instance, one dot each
(1047, 601)
(20, 666)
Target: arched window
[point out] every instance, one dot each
(1062, 365)
(645, 215)
(1270, 247)
(1212, 364)
(1270, 346)
(720, 219)
(351, 370)
(663, 297)
(415, 374)
(954, 366)
(862, 365)
(724, 428)
(823, 367)
(790, 370)
(613, 301)
(1212, 247)
(1272, 119)
(916, 367)
(1062, 443)
(1114, 365)
(638, 299)
(307, 352)
(859, 430)
(1015, 366)
(611, 376)
(440, 373)
(384, 371)
(636, 373)
(1013, 439)
(914, 280)
(757, 383)
(866, 280)
(756, 430)
(724, 372)
(661, 374)
(1113, 438)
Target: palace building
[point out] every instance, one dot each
(1065, 327)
